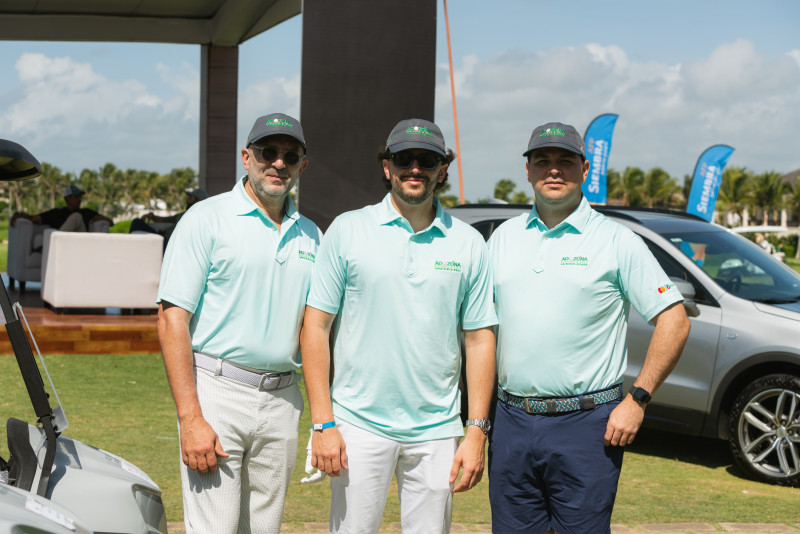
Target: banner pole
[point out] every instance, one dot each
(455, 113)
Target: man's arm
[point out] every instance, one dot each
(100, 218)
(200, 445)
(479, 345)
(35, 219)
(666, 345)
(327, 446)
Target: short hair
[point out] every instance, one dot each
(386, 154)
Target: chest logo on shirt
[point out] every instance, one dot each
(578, 261)
(307, 256)
(452, 266)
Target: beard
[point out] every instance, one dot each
(263, 187)
(414, 196)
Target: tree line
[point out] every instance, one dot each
(126, 193)
(113, 192)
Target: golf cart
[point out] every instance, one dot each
(52, 483)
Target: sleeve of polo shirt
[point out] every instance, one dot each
(187, 262)
(330, 275)
(643, 281)
(477, 310)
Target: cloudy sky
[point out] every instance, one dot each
(682, 75)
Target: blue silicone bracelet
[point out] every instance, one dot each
(323, 426)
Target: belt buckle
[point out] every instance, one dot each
(588, 403)
(264, 378)
(527, 405)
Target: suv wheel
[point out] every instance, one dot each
(764, 429)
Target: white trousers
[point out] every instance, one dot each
(74, 223)
(259, 430)
(358, 496)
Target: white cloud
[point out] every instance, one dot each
(74, 117)
(669, 113)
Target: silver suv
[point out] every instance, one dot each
(739, 376)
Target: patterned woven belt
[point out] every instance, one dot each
(263, 381)
(586, 401)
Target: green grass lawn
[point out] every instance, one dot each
(123, 404)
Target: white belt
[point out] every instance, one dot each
(263, 381)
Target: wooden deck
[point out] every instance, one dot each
(111, 332)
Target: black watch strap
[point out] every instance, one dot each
(640, 394)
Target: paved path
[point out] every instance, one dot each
(653, 528)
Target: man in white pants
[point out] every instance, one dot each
(405, 279)
(233, 289)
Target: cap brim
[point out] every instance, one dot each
(302, 144)
(399, 147)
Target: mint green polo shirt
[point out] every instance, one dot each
(563, 296)
(244, 280)
(402, 299)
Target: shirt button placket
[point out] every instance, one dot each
(411, 267)
(538, 259)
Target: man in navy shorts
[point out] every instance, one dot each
(564, 279)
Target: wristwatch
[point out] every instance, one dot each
(323, 426)
(483, 424)
(640, 394)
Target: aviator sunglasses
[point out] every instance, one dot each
(404, 159)
(270, 153)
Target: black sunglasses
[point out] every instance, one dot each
(404, 159)
(270, 153)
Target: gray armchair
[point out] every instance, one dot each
(25, 252)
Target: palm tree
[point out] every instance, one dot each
(170, 187)
(613, 184)
(768, 193)
(631, 184)
(660, 189)
(735, 191)
(50, 185)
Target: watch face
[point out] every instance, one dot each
(640, 394)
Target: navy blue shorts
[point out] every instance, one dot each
(552, 471)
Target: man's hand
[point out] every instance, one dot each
(624, 423)
(328, 451)
(200, 445)
(469, 456)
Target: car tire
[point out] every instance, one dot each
(764, 430)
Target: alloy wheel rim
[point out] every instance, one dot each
(769, 432)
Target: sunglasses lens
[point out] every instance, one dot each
(427, 161)
(269, 153)
(403, 160)
(291, 157)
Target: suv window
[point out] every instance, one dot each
(739, 266)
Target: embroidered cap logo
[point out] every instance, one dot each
(552, 131)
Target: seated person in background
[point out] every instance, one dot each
(193, 196)
(71, 218)
(765, 245)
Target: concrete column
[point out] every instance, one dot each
(219, 76)
(366, 66)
